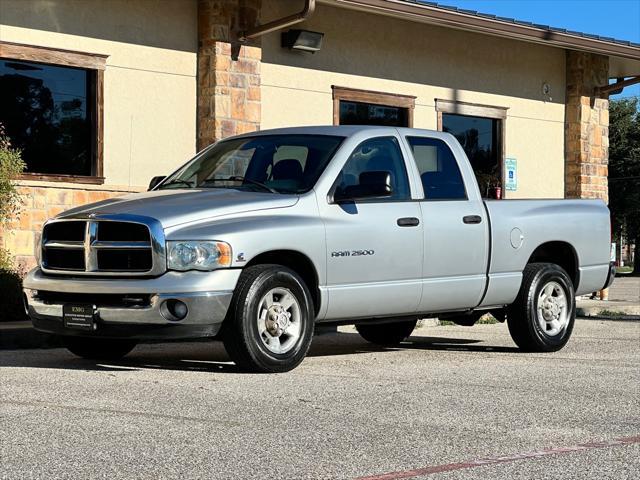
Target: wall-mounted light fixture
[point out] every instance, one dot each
(302, 40)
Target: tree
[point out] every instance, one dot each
(624, 171)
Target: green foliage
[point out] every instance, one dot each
(624, 169)
(11, 165)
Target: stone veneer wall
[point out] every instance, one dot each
(41, 202)
(586, 127)
(228, 73)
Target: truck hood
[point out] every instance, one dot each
(181, 206)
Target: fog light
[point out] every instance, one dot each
(174, 310)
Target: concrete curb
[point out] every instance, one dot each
(609, 310)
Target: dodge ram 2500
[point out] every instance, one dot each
(261, 236)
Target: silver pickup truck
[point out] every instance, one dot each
(261, 236)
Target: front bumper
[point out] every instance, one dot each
(207, 296)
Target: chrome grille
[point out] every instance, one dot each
(103, 245)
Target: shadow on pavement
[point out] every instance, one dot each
(210, 356)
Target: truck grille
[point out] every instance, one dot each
(88, 246)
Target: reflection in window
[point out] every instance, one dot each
(47, 112)
(480, 138)
(380, 154)
(357, 113)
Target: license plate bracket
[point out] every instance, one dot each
(79, 317)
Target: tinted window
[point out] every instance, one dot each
(358, 113)
(284, 163)
(47, 112)
(480, 139)
(377, 154)
(439, 172)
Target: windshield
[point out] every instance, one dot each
(269, 163)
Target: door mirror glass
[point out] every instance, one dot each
(374, 184)
(155, 181)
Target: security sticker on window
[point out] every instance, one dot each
(511, 174)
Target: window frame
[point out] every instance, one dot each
(96, 64)
(369, 96)
(478, 110)
(334, 185)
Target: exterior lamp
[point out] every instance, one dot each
(302, 40)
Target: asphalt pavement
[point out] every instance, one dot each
(452, 402)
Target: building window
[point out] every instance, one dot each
(364, 107)
(480, 131)
(52, 111)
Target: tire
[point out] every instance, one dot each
(386, 334)
(539, 320)
(99, 348)
(260, 338)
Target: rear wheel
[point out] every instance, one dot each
(99, 348)
(542, 317)
(270, 322)
(386, 333)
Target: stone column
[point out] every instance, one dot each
(228, 73)
(586, 127)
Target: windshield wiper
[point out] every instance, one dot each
(237, 178)
(177, 182)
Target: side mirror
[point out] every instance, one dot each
(374, 184)
(155, 181)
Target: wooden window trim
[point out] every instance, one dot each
(479, 110)
(45, 177)
(70, 58)
(54, 56)
(369, 96)
(471, 109)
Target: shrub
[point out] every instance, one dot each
(11, 165)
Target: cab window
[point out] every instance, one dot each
(439, 172)
(374, 155)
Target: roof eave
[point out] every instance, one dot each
(493, 26)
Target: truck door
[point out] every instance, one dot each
(455, 228)
(374, 246)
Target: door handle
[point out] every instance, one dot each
(472, 219)
(408, 222)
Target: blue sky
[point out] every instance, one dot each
(610, 18)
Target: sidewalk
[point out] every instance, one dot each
(623, 303)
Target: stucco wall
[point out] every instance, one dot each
(150, 76)
(391, 55)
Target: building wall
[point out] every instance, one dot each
(379, 53)
(149, 95)
(150, 76)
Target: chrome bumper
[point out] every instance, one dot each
(204, 308)
(207, 296)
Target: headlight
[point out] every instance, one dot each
(198, 255)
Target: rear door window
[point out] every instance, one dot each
(439, 171)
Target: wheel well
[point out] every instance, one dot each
(560, 253)
(299, 263)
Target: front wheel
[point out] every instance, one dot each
(542, 317)
(270, 322)
(387, 334)
(99, 348)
